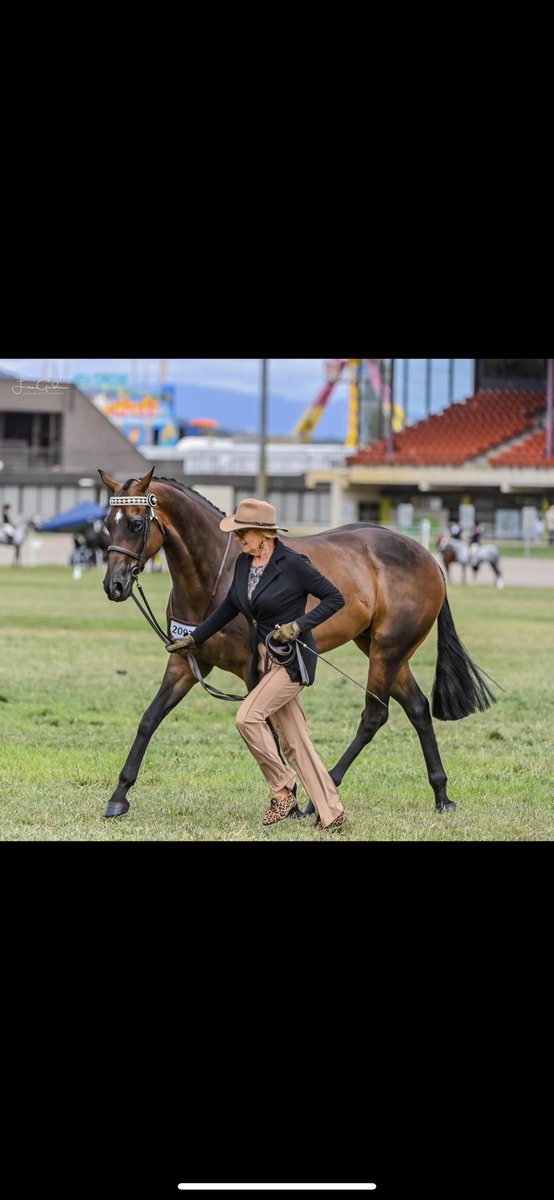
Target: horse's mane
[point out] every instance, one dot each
(183, 487)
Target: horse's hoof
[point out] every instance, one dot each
(117, 808)
(448, 807)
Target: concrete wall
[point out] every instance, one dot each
(89, 440)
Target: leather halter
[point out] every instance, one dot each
(148, 502)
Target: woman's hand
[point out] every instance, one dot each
(182, 644)
(287, 633)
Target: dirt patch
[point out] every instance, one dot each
(517, 572)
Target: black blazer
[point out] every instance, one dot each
(280, 597)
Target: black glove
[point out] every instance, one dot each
(287, 633)
(185, 643)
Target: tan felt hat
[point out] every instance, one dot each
(253, 514)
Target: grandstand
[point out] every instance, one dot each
(486, 454)
(531, 452)
(487, 421)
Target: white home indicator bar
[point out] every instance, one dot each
(277, 1187)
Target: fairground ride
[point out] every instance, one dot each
(334, 371)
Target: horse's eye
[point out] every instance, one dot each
(135, 524)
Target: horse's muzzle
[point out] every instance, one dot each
(116, 589)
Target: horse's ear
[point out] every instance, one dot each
(144, 483)
(109, 483)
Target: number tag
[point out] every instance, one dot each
(178, 629)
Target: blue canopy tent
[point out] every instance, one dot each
(75, 519)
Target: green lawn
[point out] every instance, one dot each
(543, 552)
(76, 674)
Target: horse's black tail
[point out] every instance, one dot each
(459, 688)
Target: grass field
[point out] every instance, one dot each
(543, 553)
(76, 674)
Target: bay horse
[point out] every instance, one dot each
(454, 551)
(394, 591)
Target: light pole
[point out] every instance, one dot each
(549, 405)
(390, 429)
(262, 472)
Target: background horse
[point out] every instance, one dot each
(16, 539)
(454, 551)
(394, 591)
(91, 546)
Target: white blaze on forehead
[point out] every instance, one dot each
(118, 515)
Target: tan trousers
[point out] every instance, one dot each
(276, 696)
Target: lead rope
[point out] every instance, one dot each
(190, 658)
(149, 615)
(279, 652)
(150, 618)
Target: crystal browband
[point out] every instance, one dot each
(147, 501)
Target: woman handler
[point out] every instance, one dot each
(271, 587)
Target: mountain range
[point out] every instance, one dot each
(239, 412)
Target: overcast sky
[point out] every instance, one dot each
(295, 378)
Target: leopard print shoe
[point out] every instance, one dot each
(279, 808)
(336, 824)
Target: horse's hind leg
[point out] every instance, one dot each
(177, 681)
(407, 693)
(373, 717)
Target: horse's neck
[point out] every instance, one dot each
(194, 548)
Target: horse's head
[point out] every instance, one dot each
(136, 533)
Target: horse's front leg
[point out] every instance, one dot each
(177, 681)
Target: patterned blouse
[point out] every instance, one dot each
(254, 579)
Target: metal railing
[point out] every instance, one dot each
(19, 455)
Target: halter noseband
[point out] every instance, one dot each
(148, 502)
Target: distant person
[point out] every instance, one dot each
(474, 541)
(8, 528)
(549, 519)
(455, 530)
(539, 531)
